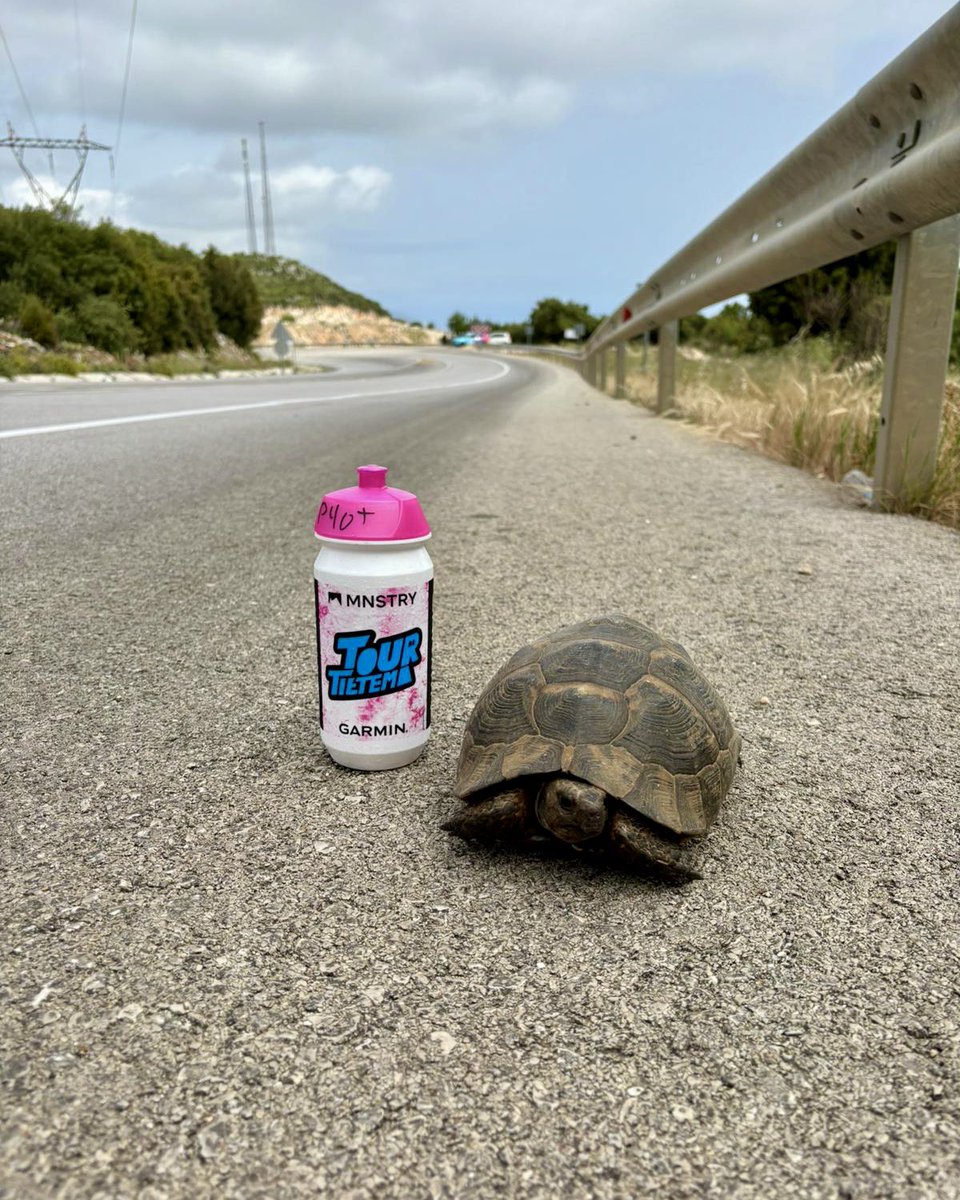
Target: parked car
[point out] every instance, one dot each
(463, 339)
(500, 337)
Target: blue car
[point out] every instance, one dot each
(463, 339)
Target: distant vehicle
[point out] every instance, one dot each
(463, 339)
(500, 337)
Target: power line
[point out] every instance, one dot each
(126, 81)
(23, 95)
(16, 75)
(83, 88)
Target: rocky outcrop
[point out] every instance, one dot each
(337, 325)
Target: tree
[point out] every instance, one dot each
(119, 289)
(457, 323)
(233, 296)
(846, 300)
(734, 329)
(550, 317)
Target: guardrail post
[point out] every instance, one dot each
(620, 376)
(918, 345)
(667, 336)
(602, 373)
(590, 369)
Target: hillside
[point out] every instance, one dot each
(287, 283)
(341, 325)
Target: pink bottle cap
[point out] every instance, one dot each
(371, 512)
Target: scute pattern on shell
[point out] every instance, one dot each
(610, 702)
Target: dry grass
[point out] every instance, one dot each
(945, 500)
(798, 405)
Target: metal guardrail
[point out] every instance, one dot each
(887, 165)
(539, 349)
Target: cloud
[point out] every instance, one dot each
(303, 188)
(215, 69)
(420, 66)
(200, 205)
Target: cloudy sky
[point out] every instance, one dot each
(436, 155)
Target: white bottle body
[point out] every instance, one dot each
(373, 611)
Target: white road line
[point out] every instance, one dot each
(502, 369)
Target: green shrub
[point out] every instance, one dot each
(12, 297)
(288, 283)
(37, 322)
(69, 327)
(57, 364)
(106, 324)
(23, 361)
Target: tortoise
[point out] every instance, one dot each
(603, 736)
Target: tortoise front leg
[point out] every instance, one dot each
(632, 843)
(503, 816)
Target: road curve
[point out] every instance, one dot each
(32, 409)
(230, 968)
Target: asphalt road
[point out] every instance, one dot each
(230, 968)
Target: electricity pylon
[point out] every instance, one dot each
(251, 223)
(82, 145)
(269, 244)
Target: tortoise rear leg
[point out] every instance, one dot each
(632, 843)
(503, 816)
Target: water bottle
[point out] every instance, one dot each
(373, 587)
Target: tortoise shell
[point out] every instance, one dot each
(612, 703)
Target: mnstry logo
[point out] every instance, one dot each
(381, 600)
(371, 667)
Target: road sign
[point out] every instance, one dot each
(282, 341)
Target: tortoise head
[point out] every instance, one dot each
(572, 811)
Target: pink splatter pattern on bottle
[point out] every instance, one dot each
(400, 614)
